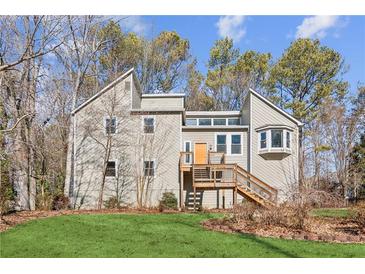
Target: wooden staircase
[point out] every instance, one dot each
(253, 189)
(219, 175)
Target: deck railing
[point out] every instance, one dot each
(217, 173)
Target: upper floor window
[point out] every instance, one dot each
(219, 121)
(111, 170)
(233, 121)
(236, 144)
(276, 138)
(110, 125)
(191, 122)
(236, 121)
(205, 122)
(148, 125)
(263, 142)
(288, 137)
(149, 168)
(187, 149)
(222, 143)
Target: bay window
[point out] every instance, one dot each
(263, 142)
(274, 140)
(288, 139)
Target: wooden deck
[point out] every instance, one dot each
(217, 174)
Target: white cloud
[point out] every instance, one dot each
(232, 27)
(317, 26)
(134, 24)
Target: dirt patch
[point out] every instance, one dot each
(20, 217)
(318, 229)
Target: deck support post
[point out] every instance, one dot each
(194, 198)
(235, 195)
(181, 204)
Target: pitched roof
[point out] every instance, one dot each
(120, 78)
(299, 123)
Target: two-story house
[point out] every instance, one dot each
(138, 146)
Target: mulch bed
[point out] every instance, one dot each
(13, 219)
(318, 229)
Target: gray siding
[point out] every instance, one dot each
(276, 171)
(163, 147)
(208, 136)
(162, 103)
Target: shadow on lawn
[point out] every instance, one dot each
(267, 245)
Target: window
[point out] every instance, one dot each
(149, 168)
(127, 85)
(191, 122)
(233, 121)
(187, 149)
(149, 125)
(222, 143)
(219, 122)
(276, 138)
(263, 142)
(287, 139)
(205, 122)
(110, 169)
(236, 144)
(110, 125)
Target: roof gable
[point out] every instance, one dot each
(272, 105)
(106, 88)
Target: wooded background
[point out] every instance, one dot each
(51, 64)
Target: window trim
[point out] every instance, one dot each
(154, 167)
(154, 124)
(116, 125)
(229, 142)
(116, 169)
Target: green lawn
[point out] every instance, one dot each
(160, 235)
(332, 212)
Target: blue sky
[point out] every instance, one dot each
(345, 34)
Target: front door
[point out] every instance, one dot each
(200, 153)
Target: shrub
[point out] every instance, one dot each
(6, 198)
(359, 215)
(293, 215)
(112, 203)
(168, 200)
(44, 201)
(60, 201)
(244, 211)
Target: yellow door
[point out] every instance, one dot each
(200, 153)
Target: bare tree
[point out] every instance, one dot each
(151, 149)
(77, 57)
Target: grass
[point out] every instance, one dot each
(159, 235)
(332, 212)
